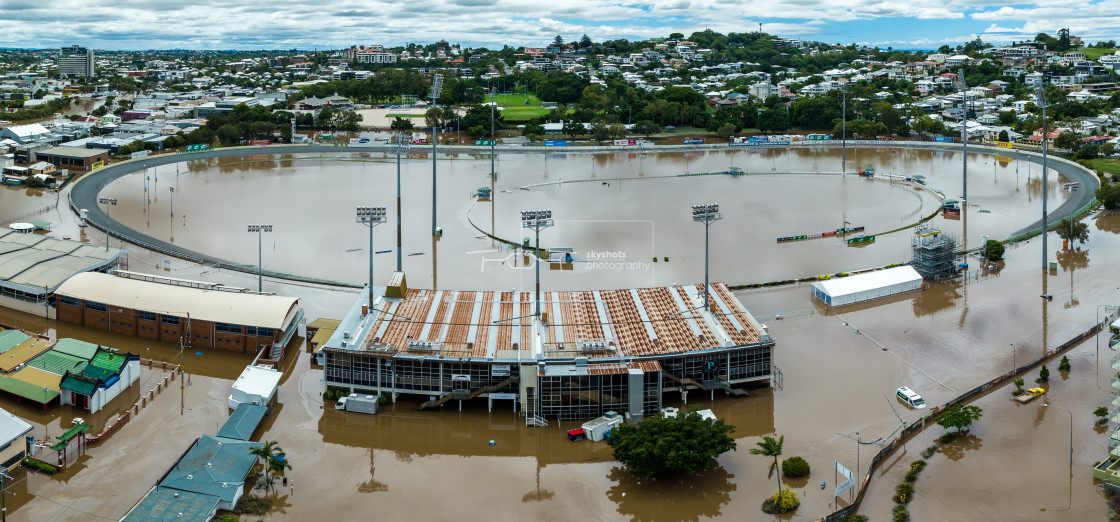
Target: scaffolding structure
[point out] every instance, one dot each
(935, 254)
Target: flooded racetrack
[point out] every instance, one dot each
(632, 206)
(403, 463)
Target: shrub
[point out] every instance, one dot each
(993, 250)
(947, 437)
(253, 505)
(665, 259)
(1043, 375)
(903, 493)
(900, 514)
(854, 518)
(918, 465)
(1063, 365)
(928, 452)
(230, 518)
(795, 467)
(911, 476)
(39, 465)
(654, 259)
(789, 502)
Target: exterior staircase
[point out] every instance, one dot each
(459, 395)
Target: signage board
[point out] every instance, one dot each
(556, 143)
(140, 153)
(483, 143)
(1003, 144)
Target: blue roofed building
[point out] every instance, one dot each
(214, 466)
(168, 504)
(243, 422)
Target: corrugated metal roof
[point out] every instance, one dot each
(57, 362)
(81, 349)
(173, 505)
(108, 360)
(246, 309)
(214, 466)
(11, 338)
(23, 353)
(870, 280)
(243, 421)
(77, 385)
(34, 263)
(26, 389)
(12, 427)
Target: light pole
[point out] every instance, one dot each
(4, 495)
(107, 202)
(1070, 429)
(493, 137)
(536, 220)
(260, 230)
(371, 217)
(1042, 101)
(843, 126)
(402, 146)
(172, 201)
(1014, 365)
(706, 214)
(437, 86)
(1071, 188)
(964, 142)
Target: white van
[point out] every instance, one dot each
(910, 398)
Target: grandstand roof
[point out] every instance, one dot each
(35, 263)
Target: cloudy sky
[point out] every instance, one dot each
(309, 24)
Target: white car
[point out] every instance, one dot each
(912, 399)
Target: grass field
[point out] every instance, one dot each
(1094, 53)
(514, 107)
(517, 100)
(1108, 166)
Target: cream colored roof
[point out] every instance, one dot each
(246, 309)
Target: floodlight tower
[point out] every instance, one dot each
(536, 220)
(107, 202)
(706, 214)
(964, 141)
(260, 229)
(1045, 178)
(371, 217)
(400, 147)
(843, 127)
(437, 86)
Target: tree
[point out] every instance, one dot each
(959, 417)
(277, 464)
(600, 131)
(401, 124)
(1063, 365)
(770, 447)
(1018, 382)
(585, 42)
(1043, 375)
(726, 131)
(1109, 196)
(993, 250)
(572, 129)
(558, 41)
(265, 453)
(1067, 141)
(533, 130)
(1003, 136)
(646, 128)
(660, 446)
(1107, 149)
(1080, 231)
(772, 120)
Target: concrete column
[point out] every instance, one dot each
(635, 392)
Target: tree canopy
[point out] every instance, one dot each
(959, 417)
(660, 446)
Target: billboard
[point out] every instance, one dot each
(1003, 144)
(693, 141)
(943, 139)
(97, 165)
(484, 143)
(849, 480)
(625, 142)
(359, 142)
(260, 143)
(140, 154)
(556, 143)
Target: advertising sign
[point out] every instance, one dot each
(693, 141)
(359, 142)
(1003, 144)
(97, 165)
(140, 154)
(500, 370)
(847, 477)
(260, 143)
(943, 139)
(625, 142)
(483, 143)
(556, 143)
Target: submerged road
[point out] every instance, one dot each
(84, 193)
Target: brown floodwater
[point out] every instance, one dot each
(835, 382)
(631, 207)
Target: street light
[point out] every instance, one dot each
(536, 220)
(107, 202)
(172, 201)
(371, 217)
(1070, 429)
(706, 214)
(260, 229)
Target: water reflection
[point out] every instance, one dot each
(955, 450)
(1072, 260)
(938, 298)
(373, 485)
(685, 498)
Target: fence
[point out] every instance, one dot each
(25, 215)
(931, 417)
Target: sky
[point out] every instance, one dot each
(315, 24)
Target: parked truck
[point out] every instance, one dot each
(1030, 394)
(359, 403)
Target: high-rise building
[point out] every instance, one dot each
(75, 61)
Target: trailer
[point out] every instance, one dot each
(358, 403)
(597, 429)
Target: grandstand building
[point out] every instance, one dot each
(589, 352)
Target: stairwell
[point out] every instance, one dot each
(475, 393)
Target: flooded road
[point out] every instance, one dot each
(632, 207)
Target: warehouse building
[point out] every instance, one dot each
(165, 309)
(33, 266)
(588, 353)
(72, 158)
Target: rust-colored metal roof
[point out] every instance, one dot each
(601, 323)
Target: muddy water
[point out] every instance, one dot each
(632, 207)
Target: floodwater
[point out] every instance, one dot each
(627, 208)
(835, 382)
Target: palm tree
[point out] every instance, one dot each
(769, 447)
(277, 464)
(267, 452)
